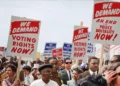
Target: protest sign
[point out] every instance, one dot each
(106, 52)
(38, 55)
(90, 46)
(2, 49)
(48, 49)
(23, 37)
(80, 39)
(42, 57)
(57, 52)
(106, 22)
(67, 50)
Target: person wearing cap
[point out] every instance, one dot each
(35, 71)
(45, 71)
(84, 66)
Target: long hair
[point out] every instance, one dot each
(113, 67)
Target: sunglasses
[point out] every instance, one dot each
(68, 62)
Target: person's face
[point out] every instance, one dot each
(75, 75)
(93, 65)
(26, 72)
(59, 63)
(68, 64)
(117, 81)
(9, 71)
(53, 62)
(63, 66)
(46, 73)
(11, 59)
(113, 60)
(35, 70)
(15, 58)
(45, 60)
(80, 61)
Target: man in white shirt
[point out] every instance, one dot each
(28, 76)
(45, 71)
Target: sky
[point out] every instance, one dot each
(57, 17)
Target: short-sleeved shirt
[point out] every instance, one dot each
(29, 79)
(40, 82)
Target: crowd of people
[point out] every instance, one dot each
(55, 71)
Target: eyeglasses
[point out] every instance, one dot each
(68, 62)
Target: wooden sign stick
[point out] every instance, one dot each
(18, 69)
(101, 58)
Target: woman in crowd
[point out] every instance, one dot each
(113, 75)
(115, 59)
(11, 81)
(104, 70)
(75, 73)
(28, 77)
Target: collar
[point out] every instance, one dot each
(28, 75)
(73, 80)
(91, 72)
(68, 70)
(44, 82)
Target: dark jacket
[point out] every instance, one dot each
(64, 76)
(92, 80)
(55, 77)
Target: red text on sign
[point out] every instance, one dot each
(79, 54)
(103, 36)
(107, 9)
(22, 44)
(79, 34)
(23, 38)
(21, 50)
(20, 27)
(106, 21)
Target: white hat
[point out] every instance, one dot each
(28, 63)
(36, 66)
